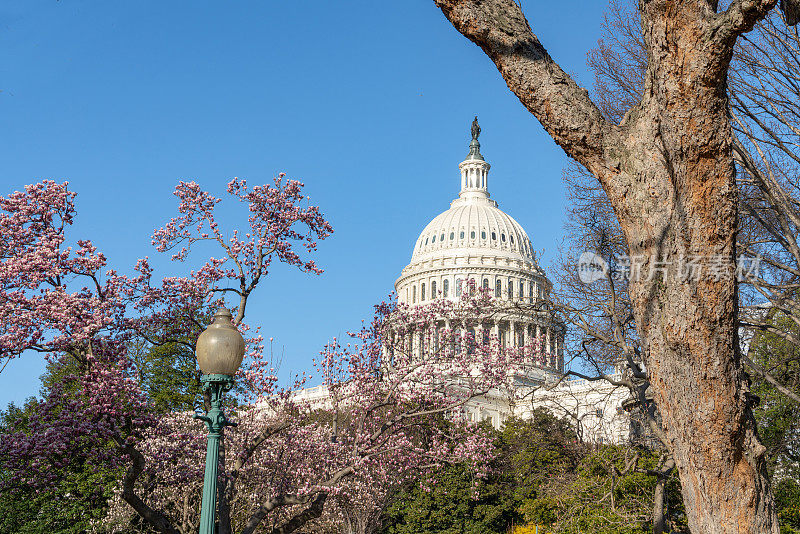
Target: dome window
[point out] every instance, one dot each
(441, 237)
(452, 235)
(498, 288)
(512, 238)
(426, 241)
(422, 292)
(485, 283)
(433, 290)
(503, 238)
(510, 289)
(445, 287)
(433, 240)
(472, 234)
(483, 234)
(461, 236)
(494, 236)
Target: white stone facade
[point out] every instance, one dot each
(594, 408)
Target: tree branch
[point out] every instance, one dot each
(771, 379)
(550, 94)
(741, 16)
(154, 518)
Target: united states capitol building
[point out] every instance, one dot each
(476, 244)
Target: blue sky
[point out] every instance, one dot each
(369, 103)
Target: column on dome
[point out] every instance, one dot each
(435, 339)
(456, 343)
(525, 341)
(512, 334)
(557, 344)
(539, 355)
(390, 348)
(428, 348)
(555, 347)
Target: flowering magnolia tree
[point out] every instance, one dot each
(64, 301)
(388, 408)
(381, 417)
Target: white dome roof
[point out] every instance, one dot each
(474, 225)
(473, 240)
(473, 222)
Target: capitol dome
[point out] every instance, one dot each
(473, 240)
(476, 224)
(476, 244)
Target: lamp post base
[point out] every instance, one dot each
(215, 420)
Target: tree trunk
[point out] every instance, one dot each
(660, 501)
(668, 171)
(659, 507)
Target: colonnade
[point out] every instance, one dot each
(510, 332)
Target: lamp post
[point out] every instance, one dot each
(219, 351)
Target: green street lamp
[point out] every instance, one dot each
(219, 351)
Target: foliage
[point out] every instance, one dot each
(778, 416)
(610, 491)
(455, 502)
(63, 301)
(527, 455)
(787, 500)
(73, 503)
(170, 376)
(541, 475)
(80, 484)
(533, 452)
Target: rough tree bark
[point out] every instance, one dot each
(668, 171)
(660, 498)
